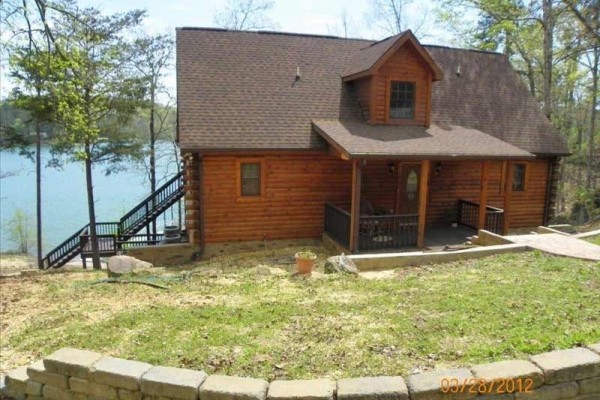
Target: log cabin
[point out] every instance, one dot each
(289, 136)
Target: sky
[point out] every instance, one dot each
(300, 16)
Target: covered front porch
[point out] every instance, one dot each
(407, 180)
(388, 209)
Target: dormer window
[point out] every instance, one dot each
(402, 100)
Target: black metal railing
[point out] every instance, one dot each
(140, 240)
(112, 236)
(107, 244)
(107, 228)
(468, 215)
(387, 232)
(65, 251)
(337, 224)
(148, 208)
(375, 232)
(494, 219)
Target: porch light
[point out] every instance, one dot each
(391, 167)
(438, 168)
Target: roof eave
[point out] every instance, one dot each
(440, 157)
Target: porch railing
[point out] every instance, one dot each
(468, 215)
(375, 232)
(387, 232)
(337, 224)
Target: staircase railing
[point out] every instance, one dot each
(131, 222)
(112, 235)
(64, 249)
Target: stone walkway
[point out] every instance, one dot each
(561, 245)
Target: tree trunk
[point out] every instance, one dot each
(590, 178)
(38, 190)
(548, 22)
(152, 154)
(91, 207)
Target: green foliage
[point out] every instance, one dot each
(241, 323)
(96, 92)
(20, 231)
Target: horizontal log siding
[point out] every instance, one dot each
(298, 185)
(461, 180)
(362, 87)
(379, 185)
(527, 208)
(406, 65)
(296, 189)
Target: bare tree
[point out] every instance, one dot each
(153, 60)
(391, 16)
(245, 15)
(344, 26)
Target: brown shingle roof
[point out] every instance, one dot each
(369, 54)
(368, 57)
(237, 90)
(362, 140)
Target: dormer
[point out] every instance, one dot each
(392, 79)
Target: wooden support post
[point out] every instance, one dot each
(423, 189)
(508, 183)
(355, 205)
(485, 167)
(398, 185)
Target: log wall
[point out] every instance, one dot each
(296, 189)
(298, 184)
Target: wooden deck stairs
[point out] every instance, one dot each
(113, 235)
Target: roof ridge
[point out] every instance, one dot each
(439, 46)
(384, 39)
(266, 32)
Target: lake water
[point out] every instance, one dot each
(64, 198)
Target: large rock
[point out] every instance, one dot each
(120, 265)
(341, 263)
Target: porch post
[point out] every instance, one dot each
(483, 195)
(355, 205)
(423, 189)
(508, 180)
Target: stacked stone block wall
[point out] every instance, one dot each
(71, 374)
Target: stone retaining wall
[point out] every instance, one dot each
(71, 374)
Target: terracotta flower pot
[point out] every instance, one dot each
(305, 265)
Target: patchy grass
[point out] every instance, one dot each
(594, 239)
(245, 321)
(11, 262)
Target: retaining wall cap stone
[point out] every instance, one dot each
(515, 369)
(379, 388)
(222, 387)
(313, 389)
(38, 373)
(568, 365)
(429, 385)
(118, 372)
(172, 382)
(72, 362)
(16, 380)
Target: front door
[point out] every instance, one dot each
(408, 188)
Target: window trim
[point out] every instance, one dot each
(525, 177)
(238, 180)
(388, 94)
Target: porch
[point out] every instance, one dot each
(418, 178)
(394, 232)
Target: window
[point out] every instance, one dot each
(519, 177)
(402, 100)
(250, 179)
